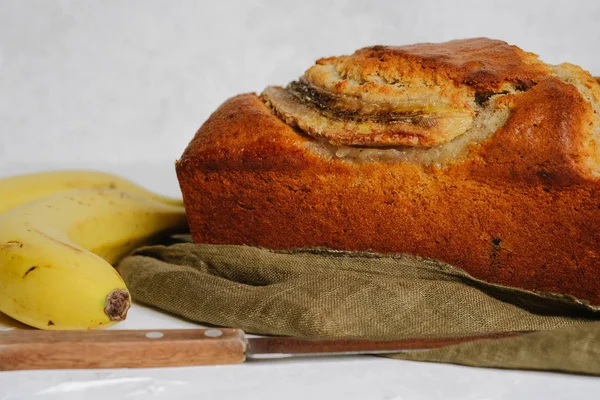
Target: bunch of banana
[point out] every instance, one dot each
(61, 232)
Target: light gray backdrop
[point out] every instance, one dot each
(110, 83)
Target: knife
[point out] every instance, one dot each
(33, 349)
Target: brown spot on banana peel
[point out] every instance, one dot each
(12, 243)
(28, 271)
(118, 303)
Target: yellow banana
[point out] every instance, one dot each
(18, 189)
(56, 254)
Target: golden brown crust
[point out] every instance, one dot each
(483, 63)
(521, 209)
(541, 142)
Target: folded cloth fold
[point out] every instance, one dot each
(325, 294)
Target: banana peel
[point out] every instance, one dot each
(57, 248)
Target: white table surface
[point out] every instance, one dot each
(122, 85)
(357, 377)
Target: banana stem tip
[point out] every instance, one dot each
(117, 304)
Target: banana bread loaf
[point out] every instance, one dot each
(472, 152)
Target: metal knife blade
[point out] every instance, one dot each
(284, 347)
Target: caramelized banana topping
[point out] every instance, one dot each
(421, 95)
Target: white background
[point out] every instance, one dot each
(129, 82)
(123, 85)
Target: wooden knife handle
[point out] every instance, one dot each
(33, 349)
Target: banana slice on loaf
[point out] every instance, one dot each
(419, 95)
